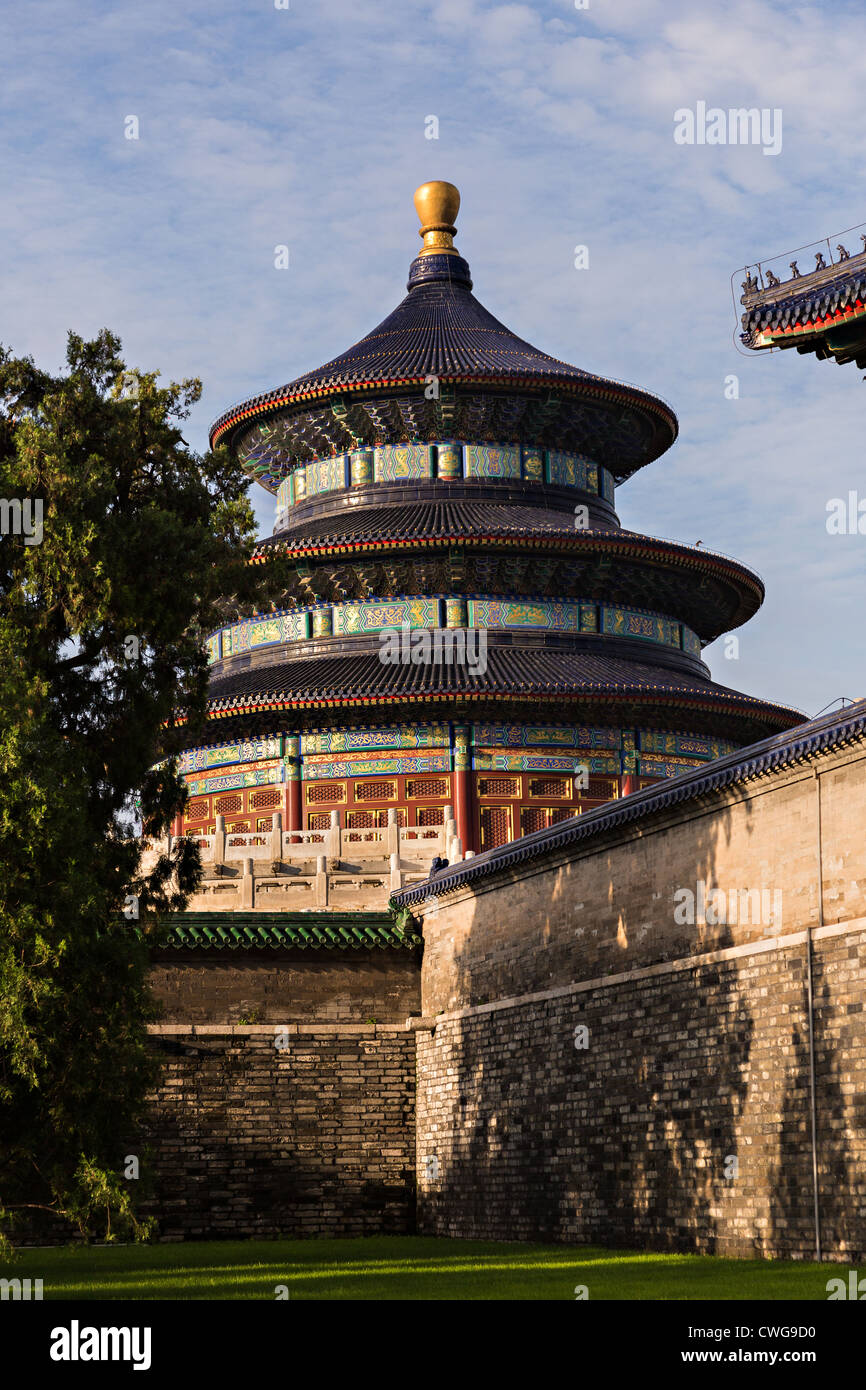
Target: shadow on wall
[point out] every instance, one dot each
(657, 1127)
(842, 1225)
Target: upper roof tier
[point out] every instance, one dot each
(378, 391)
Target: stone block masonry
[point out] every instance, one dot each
(269, 987)
(679, 1120)
(605, 1056)
(315, 1138)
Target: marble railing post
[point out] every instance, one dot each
(321, 881)
(219, 841)
(334, 838)
(393, 836)
(248, 890)
(276, 837)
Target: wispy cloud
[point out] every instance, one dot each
(305, 126)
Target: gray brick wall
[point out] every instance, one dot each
(313, 1140)
(630, 1140)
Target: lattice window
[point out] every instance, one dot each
(321, 792)
(240, 827)
(499, 786)
(372, 820)
(601, 788)
(380, 790)
(264, 823)
(431, 815)
(198, 810)
(561, 813)
(319, 822)
(532, 818)
(495, 826)
(268, 799)
(550, 786)
(229, 805)
(427, 786)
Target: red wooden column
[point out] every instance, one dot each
(292, 759)
(464, 788)
(628, 782)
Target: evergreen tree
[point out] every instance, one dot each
(143, 547)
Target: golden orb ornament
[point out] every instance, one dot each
(437, 205)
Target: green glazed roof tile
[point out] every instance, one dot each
(209, 931)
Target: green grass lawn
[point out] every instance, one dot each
(406, 1267)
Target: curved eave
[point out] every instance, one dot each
(614, 543)
(778, 715)
(772, 337)
(592, 388)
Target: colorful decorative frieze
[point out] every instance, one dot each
(491, 460)
(353, 618)
(550, 616)
(588, 617)
(533, 465)
(361, 467)
(262, 631)
(323, 622)
(248, 750)
(572, 470)
(462, 748)
(541, 735)
(327, 475)
(261, 775)
(683, 745)
(666, 767)
(348, 740)
(397, 462)
(597, 764)
(456, 612)
(648, 627)
(691, 641)
(372, 767)
(285, 494)
(449, 461)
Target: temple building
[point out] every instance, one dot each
(820, 309)
(472, 648)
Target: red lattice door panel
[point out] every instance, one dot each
(495, 826)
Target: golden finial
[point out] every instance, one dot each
(437, 205)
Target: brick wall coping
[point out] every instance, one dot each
(247, 1030)
(802, 744)
(668, 967)
(284, 931)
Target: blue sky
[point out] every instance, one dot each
(305, 126)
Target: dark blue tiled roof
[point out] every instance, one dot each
(534, 673)
(440, 329)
